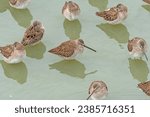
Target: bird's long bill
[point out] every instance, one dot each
(89, 48)
(92, 93)
(145, 56)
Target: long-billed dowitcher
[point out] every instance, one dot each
(137, 47)
(33, 34)
(69, 49)
(97, 90)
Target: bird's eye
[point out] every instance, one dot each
(81, 41)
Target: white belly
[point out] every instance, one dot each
(121, 17)
(15, 59)
(70, 16)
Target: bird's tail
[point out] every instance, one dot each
(101, 14)
(52, 51)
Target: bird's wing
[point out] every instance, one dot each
(66, 49)
(7, 50)
(130, 47)
(109, 15)
(33, 34)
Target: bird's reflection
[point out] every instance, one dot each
(16, 72)
(36, 51)
(4, 5)
(118, 32)
(138, 69)
(22, 16)
(146, 7)
(100, 4)
(72, 28)
(72, 68)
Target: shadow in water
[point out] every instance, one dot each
(36, 51)
(16, 72)
(72, 28)
(72, 68)
(4, 5)
(146, 7)
(138, 69)
(22, 16)
(100, 4)
(118, 32)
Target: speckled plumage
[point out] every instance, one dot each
(114, 15)
(98, 90)
(71, 10)
(33, 34)
(19, 4)
(13, 53)
(137, 47)
(69, 49)
(145, 87)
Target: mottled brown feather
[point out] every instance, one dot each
(109, 15)
(95, 84)
(64, 7)
(142, 44)
(33, 34)
(13, 2)
(145, 87)
(72, 6)
(7, 50)
(135, 41)
(66, 49)
(147, 1)
(130, 47)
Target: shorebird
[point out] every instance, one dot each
(147, 1)
(19, 4)
(114, 15)
(33, 34)
(137, 47)
(145, 87)
(13, 53)
(71, 10)
(69, 49)
(97, 90)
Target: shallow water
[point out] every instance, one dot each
(42, 75)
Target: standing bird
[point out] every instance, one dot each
(147, 1)
(97, 90)
(137, 47)
(33, 34)
(71, 11)
(19, 4)
(69, 49)
(13, 53)
(114, 15)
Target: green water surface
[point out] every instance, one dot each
(42, 75)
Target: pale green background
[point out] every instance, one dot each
(42, 75)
